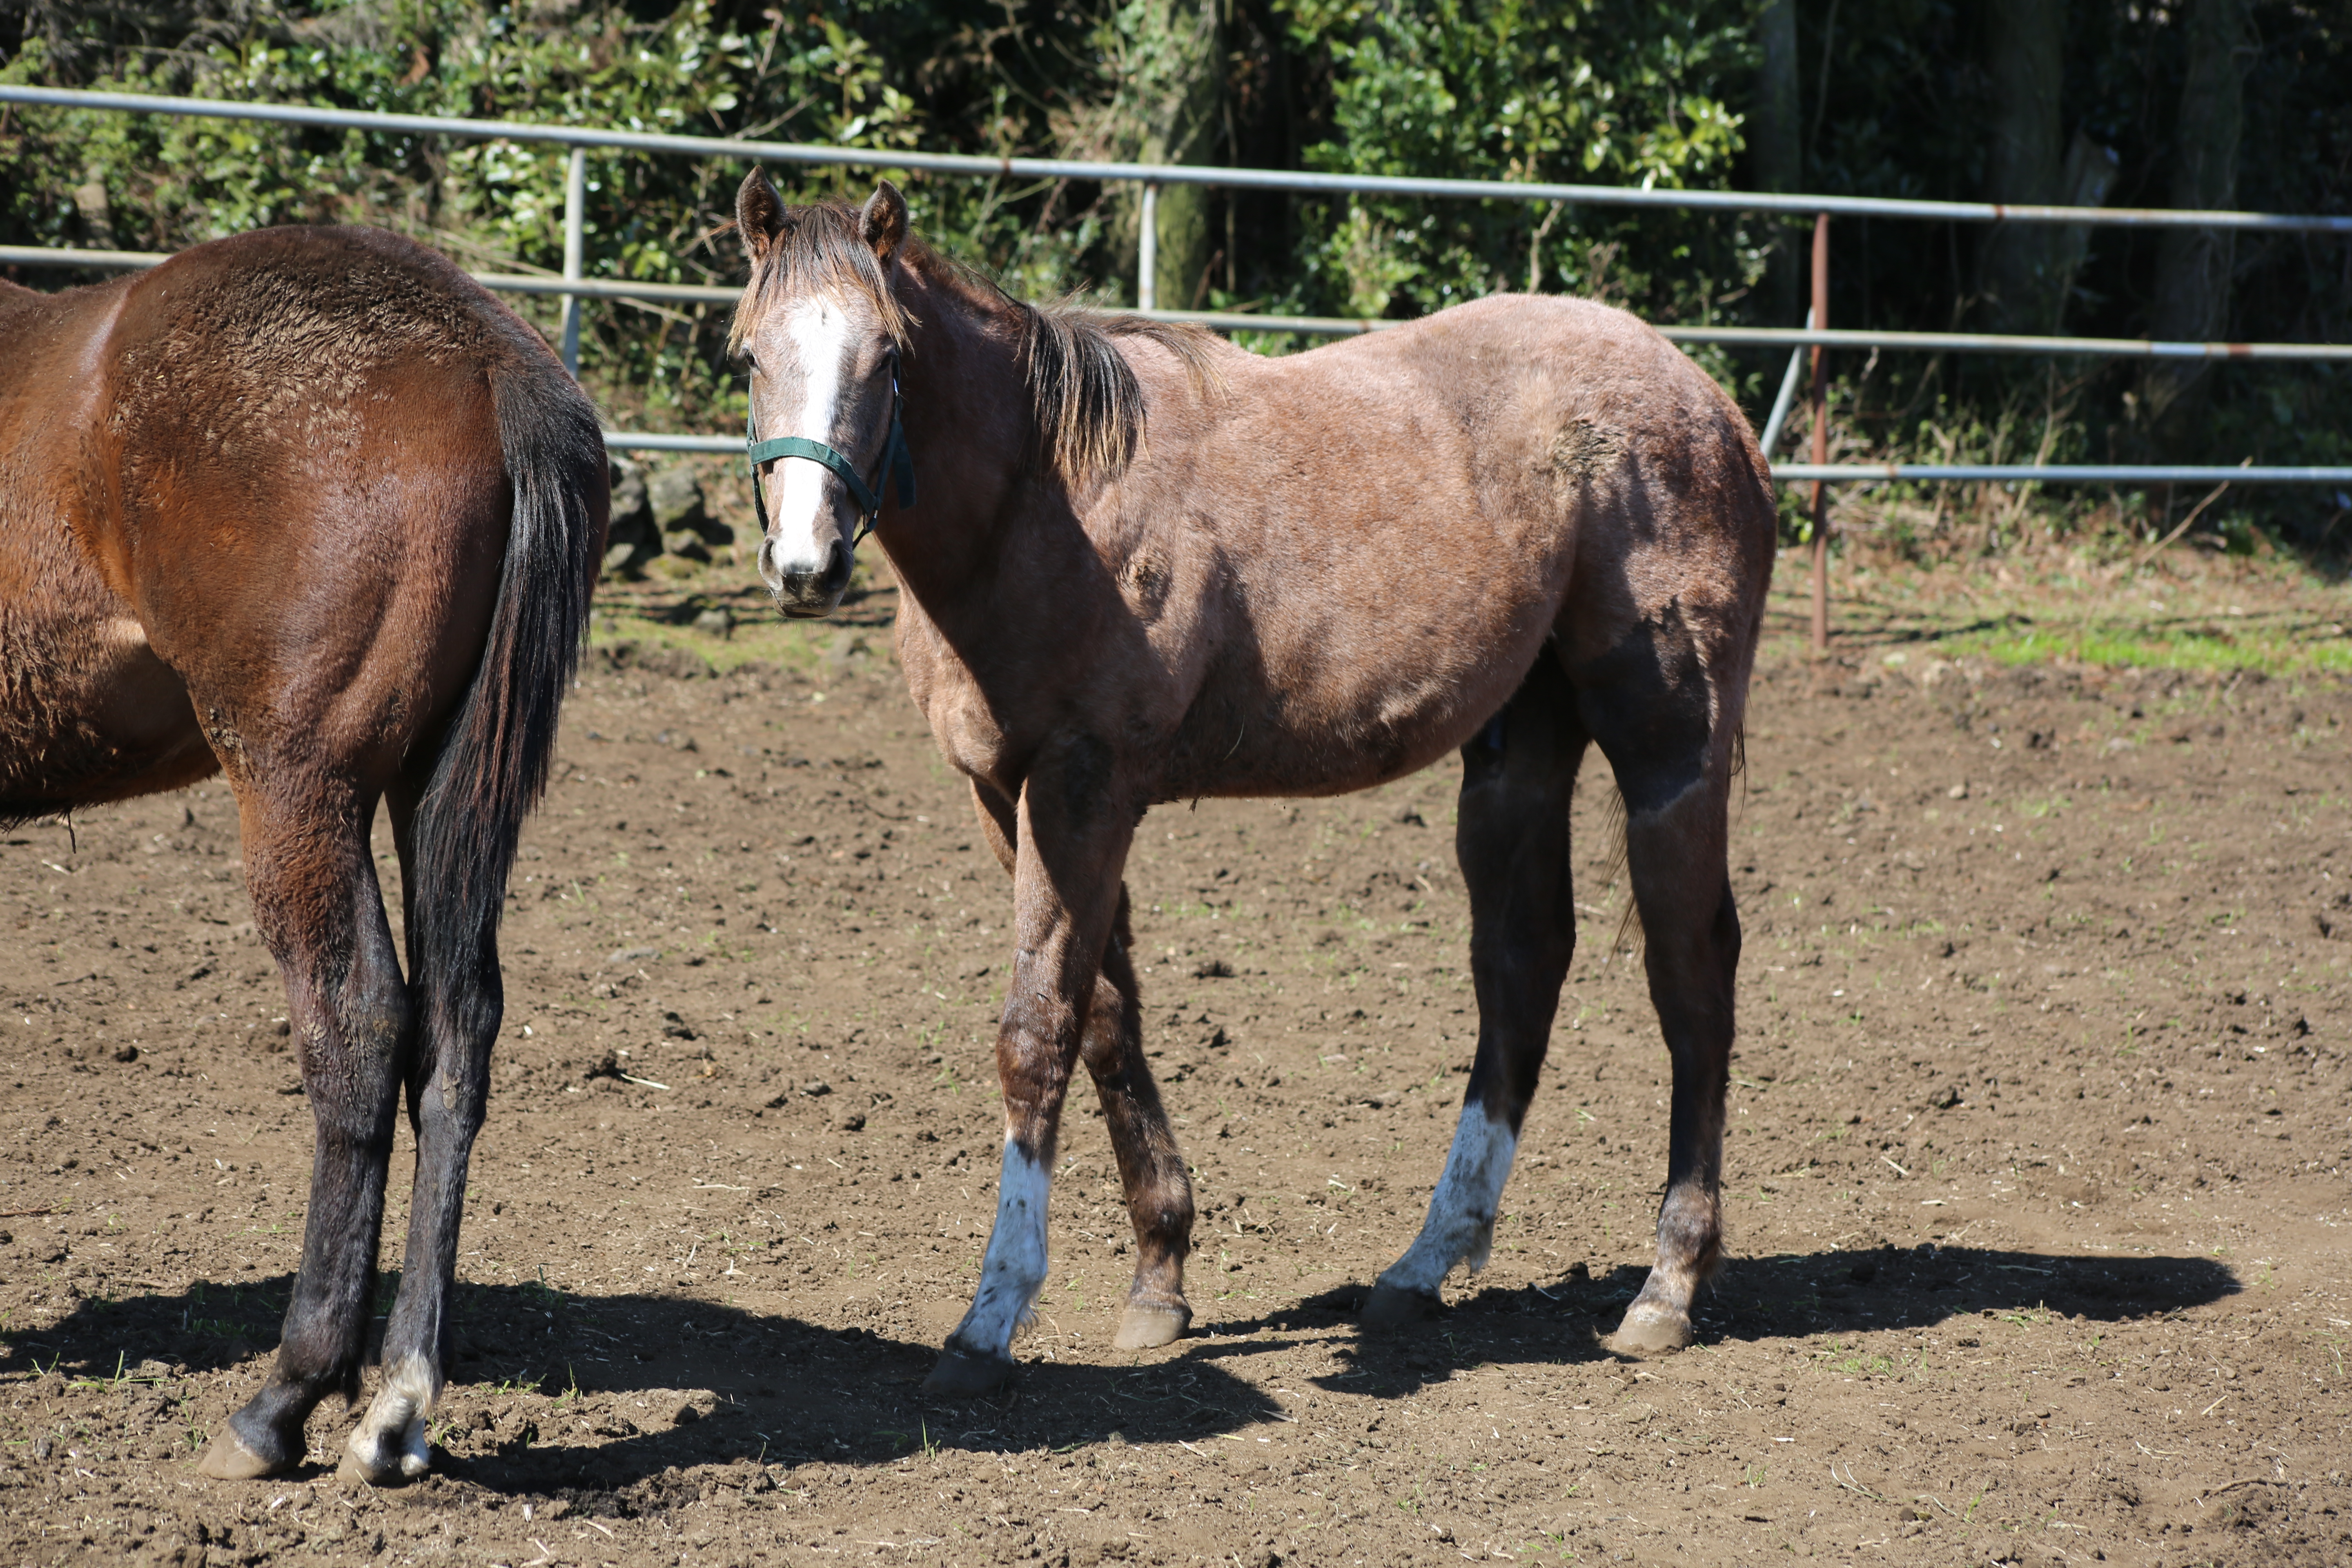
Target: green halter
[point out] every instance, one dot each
(896, 461)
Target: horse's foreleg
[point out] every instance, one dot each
(1071, 840)
(453, 955)
(1512, 840)
(1664, 735)
(317, 904)
(1150, 1168)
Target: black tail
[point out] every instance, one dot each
(495, 756)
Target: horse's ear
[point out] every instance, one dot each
(759, 212)
(882, 223)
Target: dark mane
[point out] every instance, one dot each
(1083, 395)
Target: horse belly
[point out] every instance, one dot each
(1326, 738)
(1359, 693)
(88, 714)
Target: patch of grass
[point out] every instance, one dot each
(2271, 648)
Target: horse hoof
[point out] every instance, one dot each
(1148, 1327)
(227, 1457)
(1392, 1307)
(1650, 1330)
(384, 1463)
(961, 1376)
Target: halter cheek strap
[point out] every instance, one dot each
(898, 462)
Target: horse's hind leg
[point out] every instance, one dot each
(1150, 1168)
(1667, 721)
(1512, 839)
(460, 999)
(317, 904)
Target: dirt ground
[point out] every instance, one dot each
(2036, 1181)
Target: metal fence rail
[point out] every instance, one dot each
(1298, 181)
(1341, 326)
(1823, 473)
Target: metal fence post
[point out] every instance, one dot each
(1147, 251)
(575, 220)
(1820, 436)
(1777, 420)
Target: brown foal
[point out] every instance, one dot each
(308, 508)
(1150, 566)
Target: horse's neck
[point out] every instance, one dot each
(968, 426)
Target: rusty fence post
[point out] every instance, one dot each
(1820, 436)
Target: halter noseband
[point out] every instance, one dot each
(898, 462)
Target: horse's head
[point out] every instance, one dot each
(820, 330)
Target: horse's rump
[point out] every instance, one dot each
(274, 459)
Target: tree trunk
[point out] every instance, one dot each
(2193, 266)
(2019, 287)
(1776, 143)
(1176, 78)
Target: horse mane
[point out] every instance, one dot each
(1082, 393)
(1084, 402)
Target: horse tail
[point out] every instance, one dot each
(495, 756)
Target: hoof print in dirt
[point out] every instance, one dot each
(1388, 1308)
(959, 1375)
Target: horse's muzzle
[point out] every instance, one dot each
(804, 594)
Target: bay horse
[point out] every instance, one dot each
(1150, 566)
(308, 508)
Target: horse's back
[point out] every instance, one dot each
(1405, 519)
(1581, 430)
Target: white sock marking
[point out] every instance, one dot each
(1013, 1270)
(392, 1431)
(820, 333)
(1461, 1224)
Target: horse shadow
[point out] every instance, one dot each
(552, 1391)
(1788, 1296)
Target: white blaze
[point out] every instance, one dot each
(820, 333)
(1461, 1224)
(1013, 1270)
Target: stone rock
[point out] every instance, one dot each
(630, 540)
(676, 498)
(679, 506)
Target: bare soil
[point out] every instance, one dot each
(2036, 1180)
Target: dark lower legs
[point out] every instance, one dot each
(1666, 718)
(453, 954)
(1692, 932)
(317, 905)
(362, 1031)
(1150, 1170)
(1512, 844)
